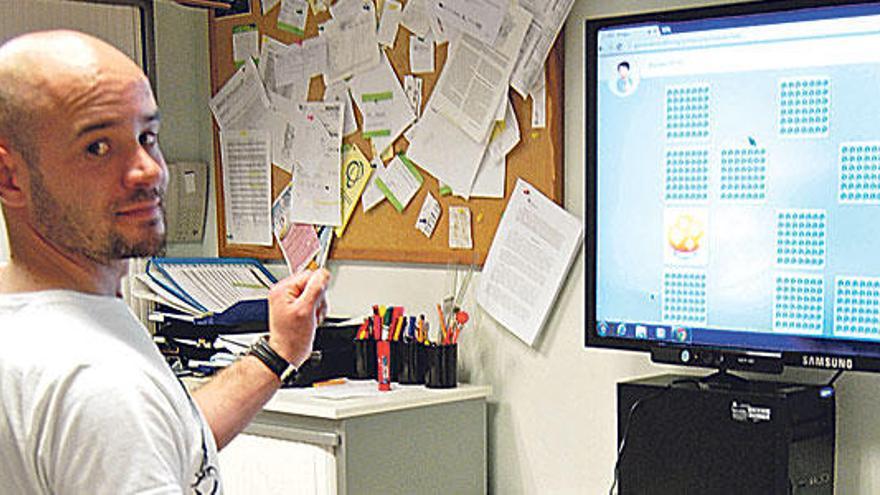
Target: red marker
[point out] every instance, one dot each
(383, 362)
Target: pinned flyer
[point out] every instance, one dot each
(428, 216)
(460, 228)
(356, 171)
(245, 43)
(293, 16)
(400, 181)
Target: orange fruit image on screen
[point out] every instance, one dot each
(684, 234)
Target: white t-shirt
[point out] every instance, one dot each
(89, 406)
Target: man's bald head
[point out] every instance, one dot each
(36, 72)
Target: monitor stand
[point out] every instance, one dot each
(725, 435)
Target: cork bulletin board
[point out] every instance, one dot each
(383, 234)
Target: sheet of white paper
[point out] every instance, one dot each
(428, 216)
(400, 181)
(338, 92)
(415, 17)
(421, 54)
(217, 286)
(412, 86)
(271, 53)
(531, 254)
(479, 18)
(547, 21)
(443, 32)
(539, 104)
(247, 186)
(293, 16)
(383, 104)
(268, 5)
(352, 46)
(391, 15)
(372, 194)
(315, 188)
(300, 61)
(460, 228)
(490, 179)
(242, 102)
(245, 43)
(475, 78)
(445, 151)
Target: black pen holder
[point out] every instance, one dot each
(364, 359)
(442, 366)
(411, 368)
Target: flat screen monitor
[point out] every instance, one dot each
(733, 184)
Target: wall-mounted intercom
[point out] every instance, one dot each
(186, 201)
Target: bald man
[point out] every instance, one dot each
(87, 403)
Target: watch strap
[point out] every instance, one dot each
(282, 368)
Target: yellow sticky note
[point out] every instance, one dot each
(356, 172)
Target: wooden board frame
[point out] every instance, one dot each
(383, 234)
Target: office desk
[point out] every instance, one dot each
(409, 440)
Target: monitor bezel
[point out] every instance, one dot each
(846, 354)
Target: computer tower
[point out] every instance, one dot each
(685, 437)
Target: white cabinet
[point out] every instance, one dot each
(411, 440)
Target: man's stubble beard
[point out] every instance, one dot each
(65, 229)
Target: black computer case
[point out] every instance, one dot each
(690, 438)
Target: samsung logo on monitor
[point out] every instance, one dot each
(827, 362)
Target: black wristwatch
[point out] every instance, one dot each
(280, 366)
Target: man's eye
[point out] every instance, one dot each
(149, 138)
(98, 148)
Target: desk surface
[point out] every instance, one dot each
(361, 397)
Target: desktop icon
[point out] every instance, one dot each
(621, 330)
(641, 332)
(602, 329)
(660, 333)
(681, 334)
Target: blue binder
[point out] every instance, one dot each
(251, 310)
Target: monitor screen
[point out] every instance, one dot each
(734, 180)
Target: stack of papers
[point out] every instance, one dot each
(200, 288)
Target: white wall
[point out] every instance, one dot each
(552, 424)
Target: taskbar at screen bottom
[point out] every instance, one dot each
(866, 346)
(645, 331)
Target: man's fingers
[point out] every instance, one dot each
(293, 284)
(315, 287)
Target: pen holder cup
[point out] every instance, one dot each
(396, 357)
(442, 366)
(364, 359)
(411, 368)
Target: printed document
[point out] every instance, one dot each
(416, 17)
(548, 18)
(372, 194)
(475, 78)
(400, 182)
(479, 18)
(338, 92)
(392, 12)
(445, 151)
(242, 102)
(247, 186)
(271, 55)
(490, 180)
(421, 54)
(383, 104)
(245, 42)
(533, 249)
(293, 15)
(315, 189)
(352, 46)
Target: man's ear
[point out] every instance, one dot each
(11, 165)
